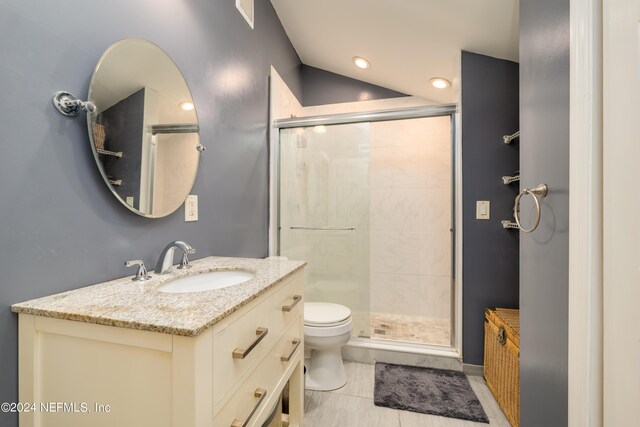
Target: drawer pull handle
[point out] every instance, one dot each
(296, 344)
(239, 353)
(260, 393)
(296, 300)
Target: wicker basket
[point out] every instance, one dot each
(502, 359)
(98, 135)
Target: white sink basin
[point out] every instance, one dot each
(206, 281)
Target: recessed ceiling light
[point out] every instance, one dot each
(187, 106)
(440, 83)
(361, 62)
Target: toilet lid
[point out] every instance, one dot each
(324, 313)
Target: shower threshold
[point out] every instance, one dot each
(366, 350)
(410, 329)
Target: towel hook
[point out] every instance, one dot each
(541, 190)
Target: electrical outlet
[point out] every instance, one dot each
(191, 208)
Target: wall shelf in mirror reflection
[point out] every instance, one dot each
(143, 127)
(507, 139)
(109, 153)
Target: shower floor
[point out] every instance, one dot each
(414, 329)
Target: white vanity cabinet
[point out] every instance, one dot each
(230, 375)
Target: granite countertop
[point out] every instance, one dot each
(139, 305)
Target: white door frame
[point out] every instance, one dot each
(585, 217)
(621, 209)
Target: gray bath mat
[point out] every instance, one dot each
(428, 391)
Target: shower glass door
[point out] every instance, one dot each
(324, 213)
(370, 207)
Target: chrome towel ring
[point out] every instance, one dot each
(541, 190)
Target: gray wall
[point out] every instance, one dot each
(60, 228)
(321, 87)
(490, 253)
(544, 148)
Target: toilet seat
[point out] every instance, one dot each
(324, 314)
(323, 319)
(329, 331)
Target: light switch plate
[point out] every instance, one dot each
(483, 209)
(191, 208)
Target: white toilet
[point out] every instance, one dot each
(327, 327)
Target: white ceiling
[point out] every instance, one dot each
(407, 41)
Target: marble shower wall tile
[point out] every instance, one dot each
(414, 159)
(397, 210)
(417, 210)
(437, 165)
(426, 131)
(348, 207)
(395, 252)
(396, 293)
(435, 254)
(338, 252)
(436, 212)
(349, 168)
(435, 296)
(410, 198)
(401, 167)
(336, 137)
(419, 296)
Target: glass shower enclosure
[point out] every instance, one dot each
(324, 213)
(369, 205)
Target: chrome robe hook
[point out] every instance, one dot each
(70, 106)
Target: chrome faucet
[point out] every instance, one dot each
(166, 257)
(142, 274)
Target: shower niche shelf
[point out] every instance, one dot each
(109, 153)
(510, 179)
(508, 225)
(506, 180)
(507, 139)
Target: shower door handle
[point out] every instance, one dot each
(322, 228)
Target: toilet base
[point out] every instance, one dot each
(325, 372)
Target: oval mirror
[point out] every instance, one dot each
(144, 130)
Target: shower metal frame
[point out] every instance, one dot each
(419, 112)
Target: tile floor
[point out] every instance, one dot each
(416, 329)
(352, 406)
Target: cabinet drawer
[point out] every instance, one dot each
(248, 402)
(285, 352)
(240, 346)
(288, 304)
